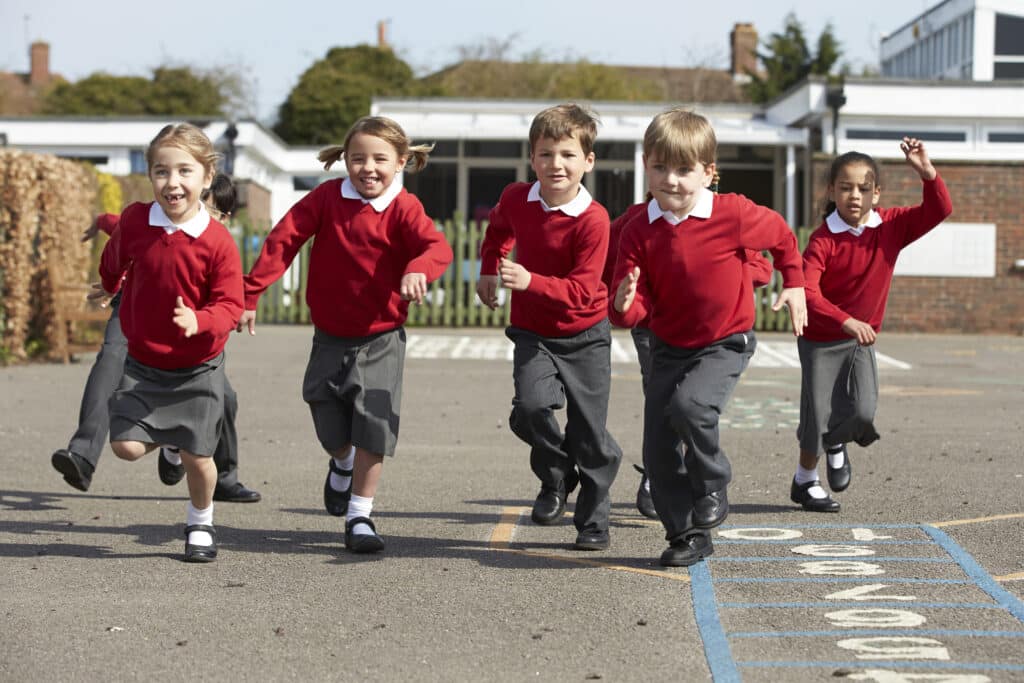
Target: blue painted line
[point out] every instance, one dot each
(841, 579)
(877, 664)
(762, 526)
(877, 632)
(712, 634)
(844, 558)
(861, 605)
(980, 577)
(809, 541)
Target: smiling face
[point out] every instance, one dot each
(855, 192)
(559, 165)
(178, 180)
(372, 164)
(677, 188)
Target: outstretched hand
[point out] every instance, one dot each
(487, 290)
(91, 231)
(185, 318)
(796, 301)
(626, 291)
(99, 295)
(917, 157)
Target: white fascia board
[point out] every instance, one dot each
(931, 100)
(116, 133)
(804, 102)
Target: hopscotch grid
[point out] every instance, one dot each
(803, 605)
(879, 664)
(846, 633)
(836, 579)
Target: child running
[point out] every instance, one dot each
(560, 325)
(848, 268)
(685, 269)
(182, 296)
(374, 251)
(78, 461)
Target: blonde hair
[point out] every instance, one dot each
(387, 130)
(679, 137)
(565, 121)
(189, 138)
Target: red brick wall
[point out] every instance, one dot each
(982, 192)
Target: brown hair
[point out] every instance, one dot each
(679, 137)
(387, 130)
(565, 121)
(189, 138)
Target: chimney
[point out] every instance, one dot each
(743, 41)
(382, 38)
(39, 64)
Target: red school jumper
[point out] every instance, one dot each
(564, 254)
(693, 279)
(205, 271)
(357, 260)
(848, 276)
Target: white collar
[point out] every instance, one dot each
(702, 209)
(836, 224)
(349, 191)
(193, 227)
(573, 208)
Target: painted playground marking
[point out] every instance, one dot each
(425, 345)
(860, 587)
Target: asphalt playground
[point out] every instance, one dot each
(920, 577)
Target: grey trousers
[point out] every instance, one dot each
(90, 437)
(687, 393)
(575, 373)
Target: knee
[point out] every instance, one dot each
(128, 450)
(685, 413)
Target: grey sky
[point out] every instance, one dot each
(276, 43)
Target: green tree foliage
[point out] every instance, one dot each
(336, 90)
(789, 60)
(178, 91)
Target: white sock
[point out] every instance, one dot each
(835, 455)
(340, 482)
(647, 484)
(194, 516)
(171, 454)
(359, 507)
(804, 476)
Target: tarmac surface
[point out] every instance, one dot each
(919, 577)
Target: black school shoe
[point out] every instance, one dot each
(798, 493)
(336, 502)
(236, 493)
(711, 510)
(550, 502)
(644, 502)
(362, 543)
(200, 553)
(838, 477)
(169, 474)
(76, 470)
(592, 539)
(688, 551)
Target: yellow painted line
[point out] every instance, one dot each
(1019, 576)
(501, 537)
(978, 520)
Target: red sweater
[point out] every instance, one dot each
(564, 255)
(757, 266)
(693, 278)
(357, 260)
(849, 276)
(206, 272)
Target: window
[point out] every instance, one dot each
(1006, 137)
(1008, 70)
(305, 182)
(137, 160)
(622, 151)
(444, 148)
(505, 149)
(435, 187)
(928, 135)
(1009, 35)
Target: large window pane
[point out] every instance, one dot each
(435, 186)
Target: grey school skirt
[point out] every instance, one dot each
(354, 390)
(838, 394)
(182, 408)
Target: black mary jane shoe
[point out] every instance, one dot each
(336, 502)
(800, 494)
(362, 543)
(169, 474)
(200, 553)
(838, 477)
(644, 502)
(688, 551)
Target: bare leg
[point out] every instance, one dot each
(131, 450)
(808, 460)
(202, 477)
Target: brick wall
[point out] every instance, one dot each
(982, 192)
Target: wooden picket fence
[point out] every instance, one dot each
(452, 300)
